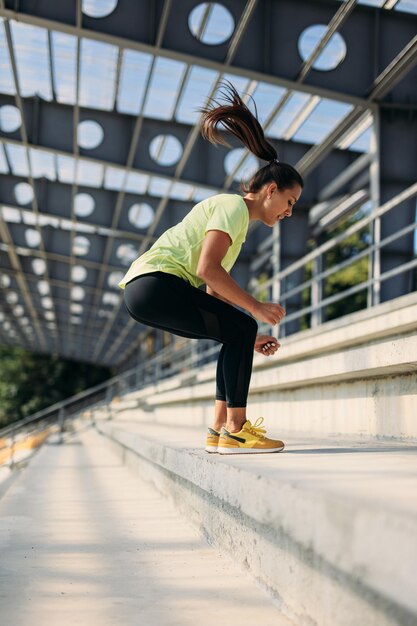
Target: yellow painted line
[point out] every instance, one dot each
(33, 441)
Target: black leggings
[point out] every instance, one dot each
(165, 301)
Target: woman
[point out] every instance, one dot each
(161, 286)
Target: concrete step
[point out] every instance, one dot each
(348, 377)
(83, 541)
(328, 529)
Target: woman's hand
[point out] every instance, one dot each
(268, 312)
(266, 345)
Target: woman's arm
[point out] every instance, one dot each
(215, 247)
(210, 270)
(211, 292)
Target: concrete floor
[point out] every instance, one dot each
(83, 541)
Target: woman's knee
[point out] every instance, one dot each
(244, 328)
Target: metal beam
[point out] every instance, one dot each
(188, 59)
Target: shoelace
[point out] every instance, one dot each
(255, 430)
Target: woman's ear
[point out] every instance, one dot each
(272, 187)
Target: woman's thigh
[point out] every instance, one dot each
(170, 303)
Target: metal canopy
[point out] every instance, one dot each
(101, 153)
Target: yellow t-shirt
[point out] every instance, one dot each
(177, 250)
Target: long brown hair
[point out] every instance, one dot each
(235, 117)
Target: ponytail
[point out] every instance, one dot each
(236, 117)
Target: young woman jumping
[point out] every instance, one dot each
(161, 286)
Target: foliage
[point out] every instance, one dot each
(343, 279)
(30, 382)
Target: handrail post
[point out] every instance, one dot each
(61, 421)
(108, 401)
(317, 292)
(276, 267)
(12, 464)
(374, 271)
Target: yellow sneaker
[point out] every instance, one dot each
(212, 440)
(249, 440)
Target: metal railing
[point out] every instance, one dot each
(316, 256)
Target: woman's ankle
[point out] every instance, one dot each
(235, 419)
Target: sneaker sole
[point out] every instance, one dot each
(211, 449)
(247, 450)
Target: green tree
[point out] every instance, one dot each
(345, 278)
(30, 382)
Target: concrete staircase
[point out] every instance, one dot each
(329, 526)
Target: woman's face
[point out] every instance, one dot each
(278, 203)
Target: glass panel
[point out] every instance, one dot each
(133, 79)
(98, 65)
(200, 82)
(241, 83)
(89, 174)
(137, 183)
(66, 169)
(64, 66)
(181, 191)
(200, 193)
(31, 51)
(18, 160)
(285, 117)
(363, 142)
(4, 168)
(6, 75)
(165, 82)
(325, 117)
(42, 164)
(266, 98)
(159, 186)
(114, 178)
(409, 6)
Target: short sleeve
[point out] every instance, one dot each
(228, 218)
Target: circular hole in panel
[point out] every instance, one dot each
(23, 193)
(49, 315)
(18, 310)
(84, 204)
(246, 170)
(77, 293)
(10, 118)
(90, 134)
(47, 303)
(43, 287)
(78, 274)
(141, 215)
(165, 149)
(127, 253)
(332, 54)
(5, 281)
(114, 279)
(32, 237)
(39, 266)
(76, 320)
(81, 245)
(77, 308)
(211, 23)
(12, 297)
(98, 8)
(110, 298)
